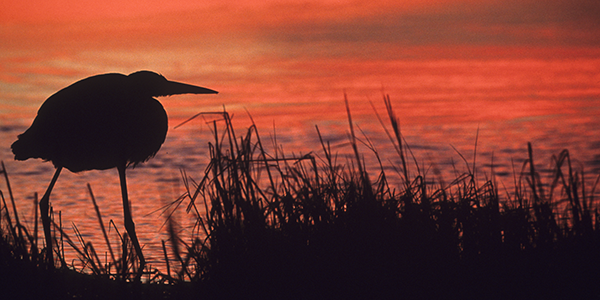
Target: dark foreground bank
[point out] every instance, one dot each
(272, 226)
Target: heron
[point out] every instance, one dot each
(101, 122)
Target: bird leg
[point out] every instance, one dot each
(129, 225)
(44, 211)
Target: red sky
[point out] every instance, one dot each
(307, 54)
(262, 41)
(53, 10)
(304, 25)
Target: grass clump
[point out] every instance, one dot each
(306, 227)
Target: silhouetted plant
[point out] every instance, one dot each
(271, 225)
(301, 226)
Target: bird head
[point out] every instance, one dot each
(156, 85)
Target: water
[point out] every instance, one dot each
(500, 104)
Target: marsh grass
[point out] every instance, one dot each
(271, 226)
(305, 226)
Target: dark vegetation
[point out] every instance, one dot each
(271, 226)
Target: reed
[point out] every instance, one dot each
(305, 226)
(271, 225)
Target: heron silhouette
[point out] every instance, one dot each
(101, 122)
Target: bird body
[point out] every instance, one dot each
(101, 122)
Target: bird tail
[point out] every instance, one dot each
(21, 149)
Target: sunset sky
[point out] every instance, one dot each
(286, 48)
(303, 28)
(260, 40)
(508, 72)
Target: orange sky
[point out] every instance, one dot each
(552, 23)
(290, 63)
(264, 41)
(41, 11)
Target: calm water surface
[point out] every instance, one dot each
(441, 104)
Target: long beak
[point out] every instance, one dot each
(176, 88)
